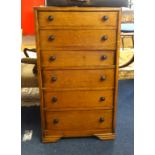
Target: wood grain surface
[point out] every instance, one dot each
(75, 19)
(77, 120)
(78, 99)
(79, 39)
(77, 58)
(78, 78)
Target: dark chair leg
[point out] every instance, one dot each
(133, 40)
(35, 70)
(122, 42)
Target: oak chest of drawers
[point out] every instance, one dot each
(77, 58)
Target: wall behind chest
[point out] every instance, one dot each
(27, 15)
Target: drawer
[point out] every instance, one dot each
(78, 120)
(73, 78)
(78, 39)
(77, 58)
(78, 99)
(77, 19)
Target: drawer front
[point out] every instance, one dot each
(78, 99)
(78, 39)
(78, 78)
(77, 19)
(77, 58)
(78, 120)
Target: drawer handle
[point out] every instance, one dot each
(52, 58)
(51, 38)
(102, 98)
(50, 18)
(101, 119)
(54, 99)
(55, 121)
(53, 78)
(103, 77)
(103, 57)
(105, 18)
(104, 38)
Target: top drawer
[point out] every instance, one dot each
(77, 19)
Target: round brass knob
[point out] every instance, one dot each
(104, 38)
(105, 18)
(51, 38)
(103, 57)
(52, 58)
(54, 99)
(102, 98)
(103, 77)
(55, 121)
(101, 119)
(53, 78)
(50, 18)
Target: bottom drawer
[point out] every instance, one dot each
(78, 120)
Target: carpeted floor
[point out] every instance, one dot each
(122, 145)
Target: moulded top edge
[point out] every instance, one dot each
(76, 8)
